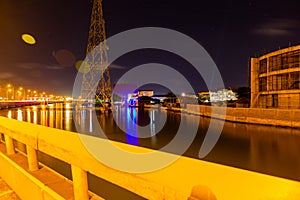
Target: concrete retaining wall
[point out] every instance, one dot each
(275, 117)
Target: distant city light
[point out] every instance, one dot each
(28, 39)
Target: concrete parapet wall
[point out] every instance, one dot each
(68, 147)
(275, 117)
(186, 178)
(25, 185)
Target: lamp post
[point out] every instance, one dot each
(7, 94)
(21, 93)
(34, 95)
(10, 89)
(28, 94)
(44, 96)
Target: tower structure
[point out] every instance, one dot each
(92, 88)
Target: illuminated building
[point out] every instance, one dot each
(123, 92)
(148, 93)
(275, 79)
(217, 96)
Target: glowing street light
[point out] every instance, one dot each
(7, 94)
(10, 89)
(35, 93)
(28, 94)
(21, 92)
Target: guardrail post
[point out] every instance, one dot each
(33, 163)
(201, 192)
(10, 148)
(2, 137)
(80, 183)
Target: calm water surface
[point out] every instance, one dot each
(265, 149)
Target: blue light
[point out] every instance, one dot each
(131, 129)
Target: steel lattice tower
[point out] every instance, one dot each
(96, 59)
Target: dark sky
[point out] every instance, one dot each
(231, 32)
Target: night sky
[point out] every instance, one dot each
(231, 32)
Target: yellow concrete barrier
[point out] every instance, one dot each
(26, 186)
(67, 146)
(172, 182)
(202, 192)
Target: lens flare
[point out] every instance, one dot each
(29, 39)
(82, 66)
(120, 156)
(64, 57)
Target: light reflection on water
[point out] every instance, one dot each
(266, 149)
(52, 115)
(131, 130)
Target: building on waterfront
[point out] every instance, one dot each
(275, 79)
(148, 93)
(222, 95)
(123, 92)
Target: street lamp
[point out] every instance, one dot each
(34, 94)
(21, 92)
(7, 94)
(19, 95)
(10, 88)
(28, 94)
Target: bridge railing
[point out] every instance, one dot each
(173, 182)
(67, 146)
